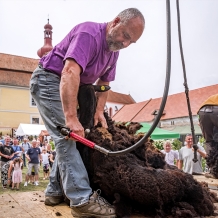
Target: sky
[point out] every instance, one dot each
(141, 68)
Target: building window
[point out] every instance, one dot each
(172, 123)
(33, 103)
(116, 108)
(155, 112)
(35, 120)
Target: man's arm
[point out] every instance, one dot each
(202, 153)
(40, 157)
(28, 157)
(69, 86)
(21, 148)
(13, 153)
(180, 164)
(101, 101)
(51, 158)
(4, 155)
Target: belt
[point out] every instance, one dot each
(208, 109)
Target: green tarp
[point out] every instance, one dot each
(158, 133)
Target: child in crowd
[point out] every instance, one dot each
(17, 173)
(45, 163)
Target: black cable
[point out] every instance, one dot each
(185, 80)
(165, 94)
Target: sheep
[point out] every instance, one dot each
(140, 181)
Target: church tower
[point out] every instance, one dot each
(47, 41)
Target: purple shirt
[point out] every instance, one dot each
(86, 44)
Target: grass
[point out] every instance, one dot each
(30, 187)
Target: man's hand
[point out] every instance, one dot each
(99, 117)
(6, 156)
(76, 127)
(195, 147)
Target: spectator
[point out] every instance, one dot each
(44, 145)
(17, 173)
(38, 145)
(49, 151)
(186, 155)
(6, 151)
(45, 163)
(52, 157)
(170, 155)
(25, 145)
(6, 174)
(33, 156)
(18, 150)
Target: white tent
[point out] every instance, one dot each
(29, 129)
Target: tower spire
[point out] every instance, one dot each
(47, 40)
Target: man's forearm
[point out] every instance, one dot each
(68, 91)
(203, 154)
(180, 163)
(102, 98)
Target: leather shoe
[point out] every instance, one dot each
(53, 200)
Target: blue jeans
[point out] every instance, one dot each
(68, 165)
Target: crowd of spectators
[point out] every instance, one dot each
(17, 154)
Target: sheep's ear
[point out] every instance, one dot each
(117, 197)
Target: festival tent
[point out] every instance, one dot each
(158, 133)
(29, 129)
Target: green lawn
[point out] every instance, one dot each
(30, 187)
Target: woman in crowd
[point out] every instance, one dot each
(171, 156)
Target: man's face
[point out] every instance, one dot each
(34, 143)
(15, 142)
(121, 35)
(7, 140)
(189, 141)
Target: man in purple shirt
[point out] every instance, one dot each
(87, 55)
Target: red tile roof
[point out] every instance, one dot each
(17, 63)
(176, 106)
(119, 98)
(128, 113)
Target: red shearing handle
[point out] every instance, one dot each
(82, 140)
(66, 132)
